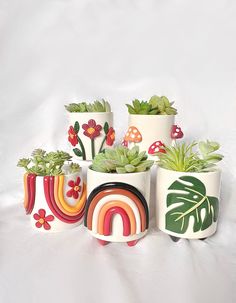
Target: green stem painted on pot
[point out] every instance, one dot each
(82, 148)
(102, 144)
(93, 148)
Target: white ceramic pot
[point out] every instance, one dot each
(55, 203)
(117, 208)
(145, 130)
(90, 133)
(187, 203)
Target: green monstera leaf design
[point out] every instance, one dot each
(188, 196)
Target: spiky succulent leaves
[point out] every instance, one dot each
(44, 164)
(155, 106)
(96, 106)
(74, 168)
(121, 160)
(182, 157)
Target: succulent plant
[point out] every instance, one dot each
(47, 164)
(182, 157)
(155, 106)
(121, 160)
(96, 106)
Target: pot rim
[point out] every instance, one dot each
(88, 113)
(217, 170)
(125, 174)
(163, 116)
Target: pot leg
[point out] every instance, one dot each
(175, 239)
(132, 243)
(102, 242)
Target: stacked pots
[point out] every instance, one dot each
(117, 208)
(89, 133)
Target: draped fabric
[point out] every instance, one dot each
(55, 51)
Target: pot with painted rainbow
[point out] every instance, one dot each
(117, 208)
(151, 124)
(90, 128)
(54, 202)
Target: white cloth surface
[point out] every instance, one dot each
(56, 51)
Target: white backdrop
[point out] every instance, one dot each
(55, 51)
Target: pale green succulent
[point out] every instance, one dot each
(47, 164)
(121, 160)
(188, 158)
(83, 107)
(155, 106)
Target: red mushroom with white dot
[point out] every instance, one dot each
(157, 147)
(176, 132)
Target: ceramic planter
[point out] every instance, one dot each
(117, 208)
(187, 203)
(55, 203)
(89, 133)
(148, 131)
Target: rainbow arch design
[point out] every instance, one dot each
(101, 207)
(29, 188)
(54, 194)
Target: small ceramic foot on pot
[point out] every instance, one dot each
(132, 243)
(175, 239)
(102, 242)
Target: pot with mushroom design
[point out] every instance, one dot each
(90, 128)
(151, 122)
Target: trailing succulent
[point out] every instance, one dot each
(83, 107)
(193, 157)
(121, 160)
(47, 164)
(155, 106)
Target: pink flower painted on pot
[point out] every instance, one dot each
(75, 188)
(42, 219)
(176, 132)
(92, 130)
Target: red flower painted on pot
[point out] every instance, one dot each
(176, 132)
(92, 130)
(75, 188)
(73, 137)
(110, 136)
(42, 219)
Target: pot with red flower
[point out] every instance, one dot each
(90, 128)
(55, 194)
(151, 121)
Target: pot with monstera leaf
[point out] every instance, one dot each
(188, 189)
(55, 194)
(151, 122)
(90, 128)
(117, 208)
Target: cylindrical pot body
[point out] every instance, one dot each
(117, 208)
(151, 128)
(187, 203)
(89, 133)
(55, 203)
